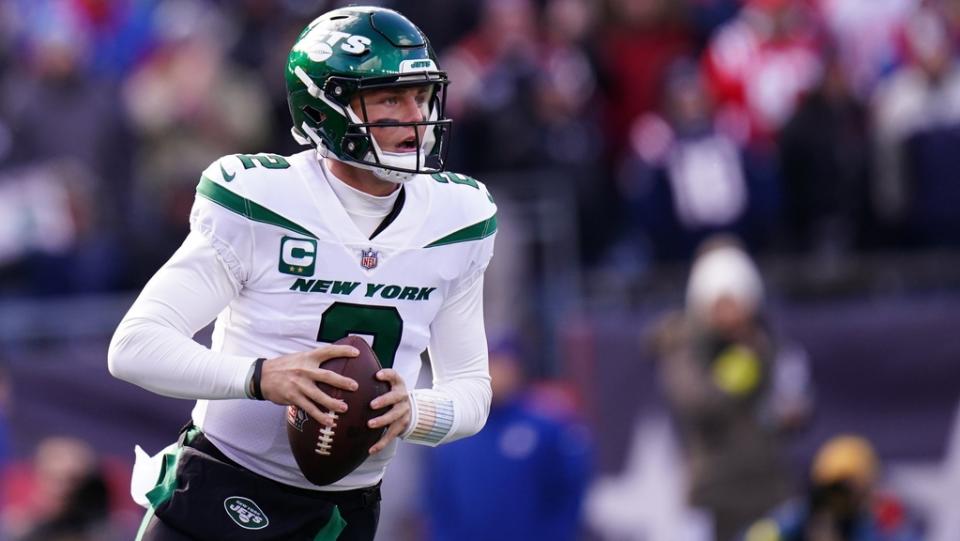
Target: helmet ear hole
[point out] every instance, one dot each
(313, 114)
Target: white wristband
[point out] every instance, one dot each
(432, 417)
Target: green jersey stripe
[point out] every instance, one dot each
(334, 527)
(477, 231)
(246, 208)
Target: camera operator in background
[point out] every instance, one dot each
(842, 502)
(733, 389)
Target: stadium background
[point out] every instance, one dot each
(615, 135)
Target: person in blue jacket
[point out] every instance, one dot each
(522, 477)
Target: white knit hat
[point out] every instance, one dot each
(723, 270)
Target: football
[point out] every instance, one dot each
(327, 454)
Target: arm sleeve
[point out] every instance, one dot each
(153, 346)
(459, 401)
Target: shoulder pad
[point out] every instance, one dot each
(255, 186)
(449, 177)
(226, 170)
(465, 209)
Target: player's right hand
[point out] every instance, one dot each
(292, 380)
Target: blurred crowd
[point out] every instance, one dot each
(819, 127)
(65, 493)
(824, 128)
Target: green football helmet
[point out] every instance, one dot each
(346, 52)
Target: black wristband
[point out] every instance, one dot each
(257, 373)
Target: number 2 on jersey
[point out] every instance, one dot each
(269, 161)
(383, 323)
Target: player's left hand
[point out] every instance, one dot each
(398, 418)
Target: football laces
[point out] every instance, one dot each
(325, 438)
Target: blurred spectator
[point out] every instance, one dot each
(445, 21)
(571, 143)
(116, 33)
(494, 99)
(708, 15)
(263, 31)
(917, 114)
(842, 504)
(534, 87)
(684, 179)
(864, 33)
(641, 39)
(57, 112)
(120, 33)
(48, 223)
(758, 64)
(825, 159)
(567, 90)
(67, 498)
(188, 102)
(522, 477)
(731, 390)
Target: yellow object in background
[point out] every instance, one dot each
(736, 370)
(846, 458)
(765, 530)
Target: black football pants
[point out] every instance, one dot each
(359, 508)
(361, 526)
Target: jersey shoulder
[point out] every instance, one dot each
(265, 188)
(252, 174)
(461, 209)
(229, 203)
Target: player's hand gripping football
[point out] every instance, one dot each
(398, 418)
(292, 379)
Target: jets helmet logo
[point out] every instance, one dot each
(319, 43)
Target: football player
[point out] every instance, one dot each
(365, 234)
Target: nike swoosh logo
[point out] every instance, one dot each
(226, 177)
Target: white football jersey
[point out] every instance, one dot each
(308, 276)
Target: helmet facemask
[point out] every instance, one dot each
(358, 146)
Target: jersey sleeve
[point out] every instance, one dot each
(458, 402)
(153, 346)
(216, 218)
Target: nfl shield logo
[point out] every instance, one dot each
(296, 417)
(368, 259)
